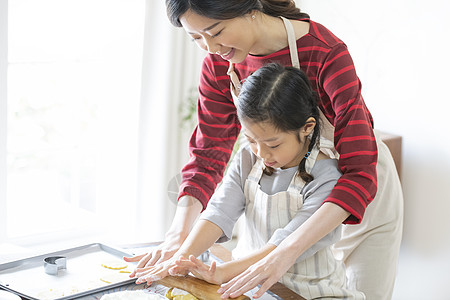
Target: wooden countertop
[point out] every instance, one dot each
(278, 288)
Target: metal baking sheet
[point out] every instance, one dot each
(81, 279)
(84, 274)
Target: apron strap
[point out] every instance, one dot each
(256, 171)
(235, 84)
(292, 42)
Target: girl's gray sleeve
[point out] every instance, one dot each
(326, 174)
(228, 202)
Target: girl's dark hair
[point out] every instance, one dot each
(283, 97)
(229, 9)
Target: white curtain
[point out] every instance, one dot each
(171, 68)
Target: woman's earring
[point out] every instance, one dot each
(253, 17)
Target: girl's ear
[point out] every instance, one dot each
(308, 127)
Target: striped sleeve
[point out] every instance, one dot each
(353, 137)
(212, 141)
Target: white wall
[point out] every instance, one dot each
(3, 95)
(401, 52)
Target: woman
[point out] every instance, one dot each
(276, 182)
(242, 36)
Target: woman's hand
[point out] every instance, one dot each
(199, 269)
(159, 254)
(188, 209)
(266, 272)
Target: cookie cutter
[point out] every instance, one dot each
(205, 256)
(53, 264)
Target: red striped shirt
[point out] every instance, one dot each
(328, 64)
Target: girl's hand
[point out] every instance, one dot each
(199, 269)
(266, 272)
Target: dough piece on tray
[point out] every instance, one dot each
(115, 264)
(115, 277)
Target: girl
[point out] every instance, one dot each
(241, 36)
(278, 182)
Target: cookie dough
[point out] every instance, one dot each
(177, 294)
(114, 277)
(115, 265)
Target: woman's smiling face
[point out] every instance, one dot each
(231, 39)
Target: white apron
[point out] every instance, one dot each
(370, 249)
(319, 276)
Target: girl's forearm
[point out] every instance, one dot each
(201, 238)
(231, 269)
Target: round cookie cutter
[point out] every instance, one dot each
(53, 264)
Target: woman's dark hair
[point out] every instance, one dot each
(229, 9)
(283, 97)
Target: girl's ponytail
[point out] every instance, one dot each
(301, 167)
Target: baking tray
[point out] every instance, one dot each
(83, 276)
(81, 279)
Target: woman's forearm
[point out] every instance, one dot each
(188, 210)
(321, 223)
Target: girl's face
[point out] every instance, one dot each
(232, 39)
(277, 149)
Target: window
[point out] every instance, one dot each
(73, 91)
